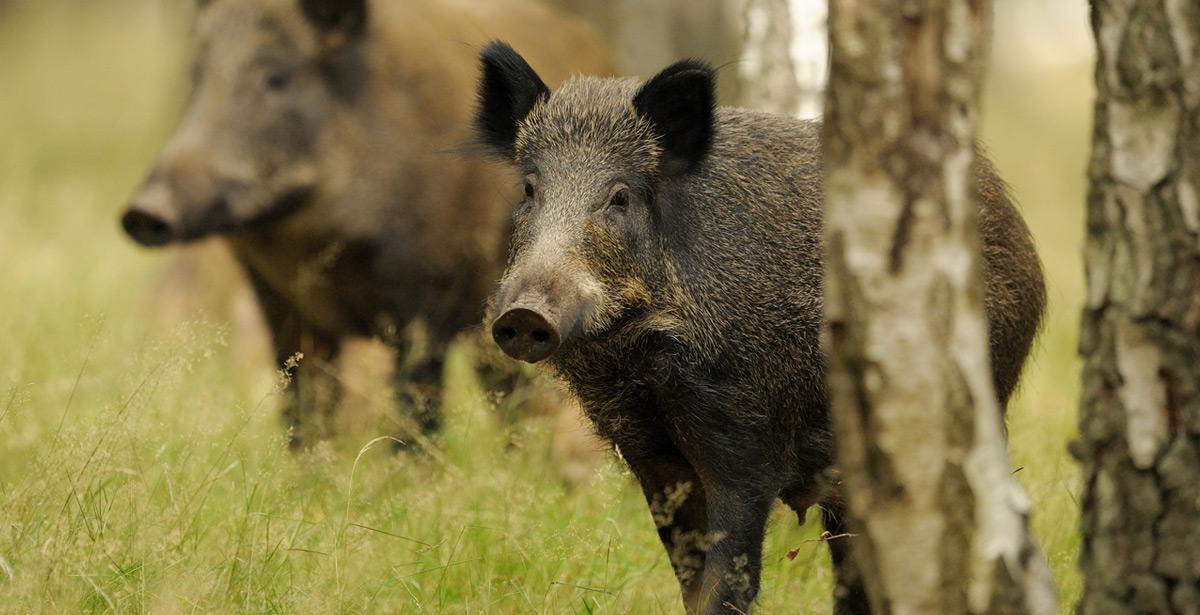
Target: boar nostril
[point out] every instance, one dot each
(541, 336)
(506, 333)
(145, 228)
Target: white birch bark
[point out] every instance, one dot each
(942, 523)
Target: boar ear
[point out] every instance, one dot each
(681, 104)
(508, 90)
(346, 18)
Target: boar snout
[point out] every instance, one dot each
(526, 333)
(150, 219)
(146, 228)
(541, 318)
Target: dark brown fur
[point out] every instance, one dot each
(324, 139)
(689, 310)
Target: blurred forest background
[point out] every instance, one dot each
(142, 464)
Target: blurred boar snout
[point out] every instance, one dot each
(182, 199)
(151, 220)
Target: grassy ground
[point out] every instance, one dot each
(141, 470)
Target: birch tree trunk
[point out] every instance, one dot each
(784, 56)
(941, 524)
(1140, 414)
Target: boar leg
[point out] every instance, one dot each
(309, 357)
(737, 526)
(672, 487)
(677, 503)
(418, 394)
(849, 593)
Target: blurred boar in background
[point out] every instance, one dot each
(667, 262)
(324, 140)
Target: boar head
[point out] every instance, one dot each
(267, 79)
(601, 158)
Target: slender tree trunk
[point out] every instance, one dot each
(784, 56)
(766, 68)
(810, 53)
(940, 522)
(1140, 414)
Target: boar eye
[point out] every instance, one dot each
(619, 201)
(528, 189)
(276, 80)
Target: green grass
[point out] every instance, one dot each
(143, 470)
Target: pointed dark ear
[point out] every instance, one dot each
(681, 104)
(508, 89)
(343, 19)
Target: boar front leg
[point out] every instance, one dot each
(420, 360)
(673, 491)
(737, 525)
(309, 357)
(418, 395)
(676, 499)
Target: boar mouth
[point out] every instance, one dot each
(283, 208)
(219, 220)
(630, 320)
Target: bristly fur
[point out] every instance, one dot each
(508, 90)
(567, 121)
(701, 302)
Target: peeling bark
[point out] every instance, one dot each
(1140, 414)
(941, 523)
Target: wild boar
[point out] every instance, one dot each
(666, 262)
(324, 140)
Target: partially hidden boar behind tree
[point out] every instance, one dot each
(324, 140)
(666, 262)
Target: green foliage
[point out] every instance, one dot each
(142, 471)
